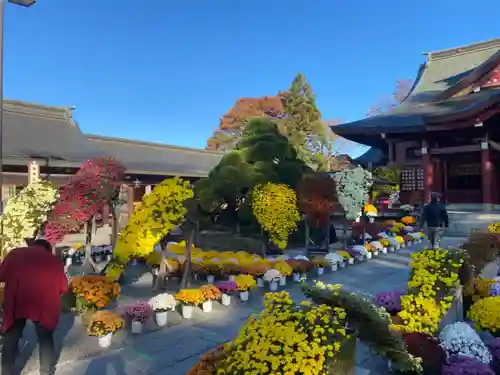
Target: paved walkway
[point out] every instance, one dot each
(173, 350)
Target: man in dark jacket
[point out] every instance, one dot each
(435, 216)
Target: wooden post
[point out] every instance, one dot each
(307, 232)
(486, 175)
(328, 223)
(427, 167)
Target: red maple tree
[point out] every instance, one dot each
(318, 198)
(95, 184)
(233, 122)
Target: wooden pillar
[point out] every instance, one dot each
(427, 167)
(391, 156)
(486, 175)
(148, 190)
(130, 200)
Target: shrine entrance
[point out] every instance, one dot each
(462, 182)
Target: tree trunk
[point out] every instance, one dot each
(346, 223)
(308, 233)
(186, 272)
(88, 265)
(114, 228)
(328, 223)
(159, 283)
(262, 237)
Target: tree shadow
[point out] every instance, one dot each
(99, 366)
(28, 355)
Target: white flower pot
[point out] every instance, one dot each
(335, 267)
(384, 250)
(244, 296)
(282, 280)
(206, 306)
(350, 260)
(296, 277)
(187, 311)
(161, 318)
(210, 279)
(369, 255)
(232, 277)
(109, 257)
(260, 282)
(133, 262)
(225, 299)
(105, 341)
(403, 245)
(273, 286)
(69, 261)
(320, 271)
(360, 258)
(375, 253)
(136, 327)
(156, 271)
(196, 276)
(410, 243)
(391, 249)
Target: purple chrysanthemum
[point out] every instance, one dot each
(461, 365)
(391, 301)
(495, 290)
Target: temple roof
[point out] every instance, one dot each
(434, 96)
(155, 158)
(373, 156)
(50, 135)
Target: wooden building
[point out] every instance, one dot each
(46, 141)
(445, 134)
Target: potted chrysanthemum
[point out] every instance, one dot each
(103, 324)
(320, 263)
(189, 298)
(138, 312)
(334, 260)
(226, 288)
(210, 293)
(273, 277)
(244, 283)
(161, 304)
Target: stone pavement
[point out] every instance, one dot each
(173, 350)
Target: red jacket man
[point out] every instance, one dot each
(34, 282)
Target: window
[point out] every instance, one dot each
(412, 179)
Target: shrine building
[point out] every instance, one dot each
(445, 135)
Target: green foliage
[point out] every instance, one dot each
(391, 173)
(275, 207)
(372, 324)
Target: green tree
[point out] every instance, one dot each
(302, 123)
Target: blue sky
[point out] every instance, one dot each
(166, 70)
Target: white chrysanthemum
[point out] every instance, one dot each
(377, 245)
(301, 257)
(26, 212)
(334, 258)
(162, 302)
(408, 229)
(460, 339)
(271, 275)
(382, 235)
(353, 186)
(360, 249)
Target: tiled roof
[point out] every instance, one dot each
(155, 158)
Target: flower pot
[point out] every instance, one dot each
(398, 246)
(68, 261)
(384, 250)
(161, 318)
(206, 306)
(155, 271)
(350, 260)
(133, 262)
(360, 258)
(244, 296)
(226, 299)
(320, 271)
(210, 279)
(410, 243)
(369, 255)
(335, 267)
(136, 327)
(109, 257)
(187, 311)
(282, 280)
(105, 341)
(375, 253)
(391, 249)
(342, 264)
(296, 277)
(273, 286)
(260, 282)
(232, 277)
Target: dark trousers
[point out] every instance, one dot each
(45, 347)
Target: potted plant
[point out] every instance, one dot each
(347, 257)
(138, 312)
(273, 277)
(334, 260)
(160, 305)
(257, 270)
(300, 268)
(230, 269)
(210, 293)
(244, 283)
(210, 270)
(189, 298)
(102, 325)
(284, 269)
(320, 263)
(226, 288)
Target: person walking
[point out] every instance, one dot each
(435, 216)
(34, 283)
